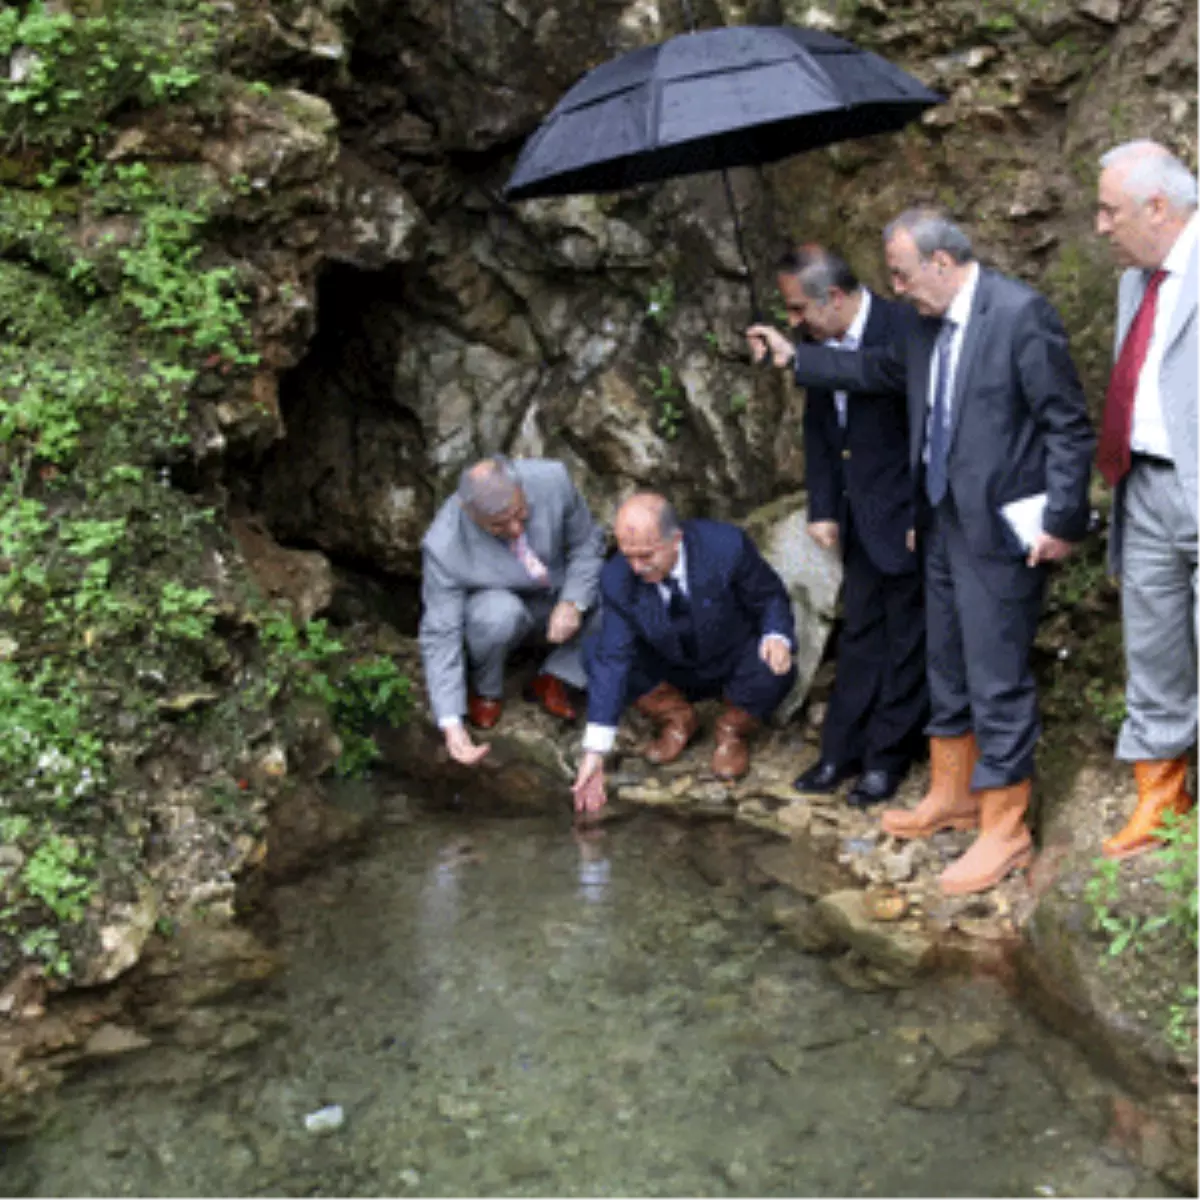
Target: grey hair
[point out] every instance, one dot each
(1152, 171)
(932, 231)
(488, 487)
(819, 271)
(668, 521)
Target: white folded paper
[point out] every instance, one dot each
(1024, 517)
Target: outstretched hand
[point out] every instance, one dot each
(462, 749)
(588, 788)
(764, 338)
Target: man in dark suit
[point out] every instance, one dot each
(689, 611)
(860, 497)
(996, 415)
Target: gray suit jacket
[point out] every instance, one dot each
(458, 558)
(1177, 385)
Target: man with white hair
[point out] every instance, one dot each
(1146, 210)
(513, 556)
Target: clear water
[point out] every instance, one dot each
(502, 1008)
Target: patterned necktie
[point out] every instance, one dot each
(679, 609)
(1112, 458)
(938, 439)
(530, 561)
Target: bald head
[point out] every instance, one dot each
(648, 535)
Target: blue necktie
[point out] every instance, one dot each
(938, 439)
(679, 609)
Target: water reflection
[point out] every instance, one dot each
(595, 870)
(515, 1009)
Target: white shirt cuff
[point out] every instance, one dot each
(449, 722)
(774, 637)
(599, 739)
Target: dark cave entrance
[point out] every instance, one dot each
(347, 479)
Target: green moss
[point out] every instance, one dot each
(121, 597)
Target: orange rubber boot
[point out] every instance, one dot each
(1161, 787)
(949, 803)
(1003, 843)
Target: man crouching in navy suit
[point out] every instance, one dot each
(690, 611)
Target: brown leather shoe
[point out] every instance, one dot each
(482, 711)
(674, 718)
(1003, 843)
(1161, 786)
(949, 803)
(731, 759)
(551, 693)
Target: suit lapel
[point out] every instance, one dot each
(976, 331)
(918, 381)
(1185, 304)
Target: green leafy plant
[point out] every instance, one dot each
(1175, 918)
(359, 693)
(660, 302)
(669, 394)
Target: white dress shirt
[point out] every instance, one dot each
(1148, 434)
(850, 340)
(960, 313)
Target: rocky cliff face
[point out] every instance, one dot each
(605, 330)
(332, 170)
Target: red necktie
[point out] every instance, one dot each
(1112, 459)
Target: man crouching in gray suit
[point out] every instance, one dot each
(514, 556)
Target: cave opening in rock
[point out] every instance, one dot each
(346, 479)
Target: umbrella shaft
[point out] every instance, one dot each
(755, 311)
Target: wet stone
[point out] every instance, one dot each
(934, 1089)
(966, 1039)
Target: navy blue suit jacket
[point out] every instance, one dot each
(1018, 418)
(862, 471)
(735, 596)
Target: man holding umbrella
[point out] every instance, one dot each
(1000, 442)
(860, 502)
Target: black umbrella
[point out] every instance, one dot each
(730, 97)
(704, 101)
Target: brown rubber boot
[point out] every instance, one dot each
(1161, 787)
(674, 719)
(949, 803)
(1003, 843)
(731, 758)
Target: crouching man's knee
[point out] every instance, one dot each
(495, 619)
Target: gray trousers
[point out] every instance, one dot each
(981, 617)
(498, 621)
(1159, 617)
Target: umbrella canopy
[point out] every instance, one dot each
(730, 97)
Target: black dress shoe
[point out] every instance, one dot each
(874, 786)
(823, 777)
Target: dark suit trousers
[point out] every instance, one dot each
(748, 684)
(981, 618)
(880, 701)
